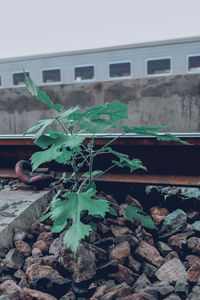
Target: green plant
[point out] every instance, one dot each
(67, 147)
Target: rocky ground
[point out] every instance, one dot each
(7, 183)
(120, 260)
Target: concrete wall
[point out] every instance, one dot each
(169, 100)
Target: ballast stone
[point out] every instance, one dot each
(172, 271)
(173, 223)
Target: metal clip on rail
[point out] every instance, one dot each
(23, 171)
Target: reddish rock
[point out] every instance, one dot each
(194, 272)
(170, 256)
(49, 261)
(85, 266)
(119, 231)
(143, 235)
(47, 237)
(172, 271)
(10, 288)
(194, 244)
(149, 253)
(55, 284)
(177, 242)
(158, 214)
(36, 271)
(99, 292)
(23, 247)
(67, 260)
(124, 274)
(131, 239)
(30, 261)
(42, 245)
(191, 259)
(120, 252)
(37, 228)
(118, 291)
(30, 294)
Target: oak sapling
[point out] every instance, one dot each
(67, 147)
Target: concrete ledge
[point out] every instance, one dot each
(20, 209)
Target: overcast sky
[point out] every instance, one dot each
(45, 26)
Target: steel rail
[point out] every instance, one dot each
(168, 163)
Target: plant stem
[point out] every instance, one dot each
(73, 155)
(117, 137)
(91, 159)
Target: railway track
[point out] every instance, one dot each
(168, 163)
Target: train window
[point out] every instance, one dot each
(18, 78)
(194, 63)
(120, 69)
(84, 73)
(158, 66)
(51, 75)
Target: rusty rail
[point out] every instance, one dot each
(168, 163)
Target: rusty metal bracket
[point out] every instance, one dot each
(23, 171)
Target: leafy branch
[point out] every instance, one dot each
(67, 148)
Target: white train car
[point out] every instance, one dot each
(163, 58)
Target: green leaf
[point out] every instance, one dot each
(40, 95)
(76, 203)
(41, 126)
(153, 131)
(102, 117)
(43, 218)
(62, 178)
(41, 157)
(58, 141)
(69, 111)
(93, 174)
(32, 88)
(170, 137)
(143, 130)
(75, 234)
(64, 157)
(124, 161)
(112, 211)
(44, 141)
(133, 164)
(133, 213)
